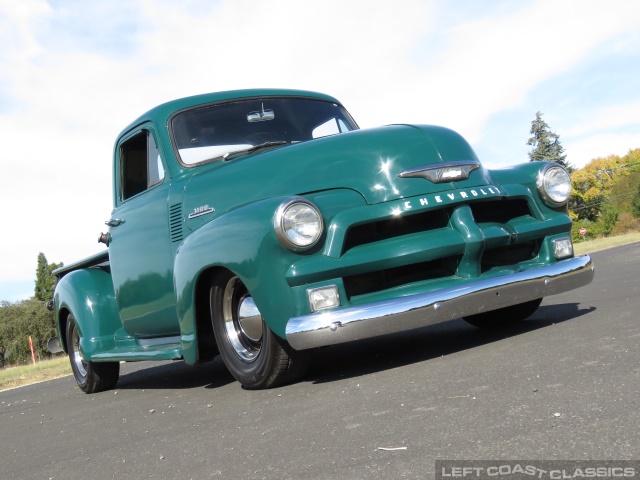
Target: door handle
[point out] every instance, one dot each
(114, 222)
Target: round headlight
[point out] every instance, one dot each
(298, 224)
(554, 185)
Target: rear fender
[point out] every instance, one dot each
(89, 296)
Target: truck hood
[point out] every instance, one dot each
(367, 161)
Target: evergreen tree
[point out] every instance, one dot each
(45, 283)
(546, 144)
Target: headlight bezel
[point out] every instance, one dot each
(542, 180)
(281, 232)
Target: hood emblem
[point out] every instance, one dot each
(442, 172)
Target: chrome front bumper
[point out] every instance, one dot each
(414, 311)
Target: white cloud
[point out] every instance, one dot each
(493, 63)
(18, 20)
(607, 131)
(608, 119)
(582, 151)
(72, 75)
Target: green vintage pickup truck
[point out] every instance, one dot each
(260, 224)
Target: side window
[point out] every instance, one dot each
(140, 164)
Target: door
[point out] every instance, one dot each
(140, 251)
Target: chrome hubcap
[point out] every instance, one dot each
(80, 364)
(242, 320)
(249, 319)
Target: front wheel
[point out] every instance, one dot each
(504, 316)
(91, 377)
(254, 355)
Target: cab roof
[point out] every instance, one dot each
(160, 114)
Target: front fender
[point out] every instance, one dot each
(89, 296)
(242, 241)
(520, 181)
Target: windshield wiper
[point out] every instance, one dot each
(255, 148)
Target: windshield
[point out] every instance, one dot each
(208, 133)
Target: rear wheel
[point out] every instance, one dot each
(254, 355)
(92, 377)
(504, 316)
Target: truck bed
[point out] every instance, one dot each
(98, 260)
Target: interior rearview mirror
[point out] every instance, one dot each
(261, 115)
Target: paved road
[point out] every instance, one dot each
(563, 385)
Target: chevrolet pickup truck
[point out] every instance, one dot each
(261, 224)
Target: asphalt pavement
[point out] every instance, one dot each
(564, 384)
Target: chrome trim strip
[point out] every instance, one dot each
(152, 342)
(415, 311)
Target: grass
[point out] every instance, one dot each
(608, 242)
(12, 377)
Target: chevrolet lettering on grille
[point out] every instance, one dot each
(451, 197)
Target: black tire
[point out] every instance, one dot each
(504, 316)
(253, 354)
(92, 377)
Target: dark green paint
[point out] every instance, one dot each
(88, 294)
(352, 178)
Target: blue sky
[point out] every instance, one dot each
(74, 73)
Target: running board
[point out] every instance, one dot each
(142, 350)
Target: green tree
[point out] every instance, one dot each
(635, 203)
(608, 218)
(592, 185)
(613, 179)
(546, 146)
(45, 282)
(20, 320)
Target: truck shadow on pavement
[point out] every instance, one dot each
(354, 359)
(343, 361)
(174, 376)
